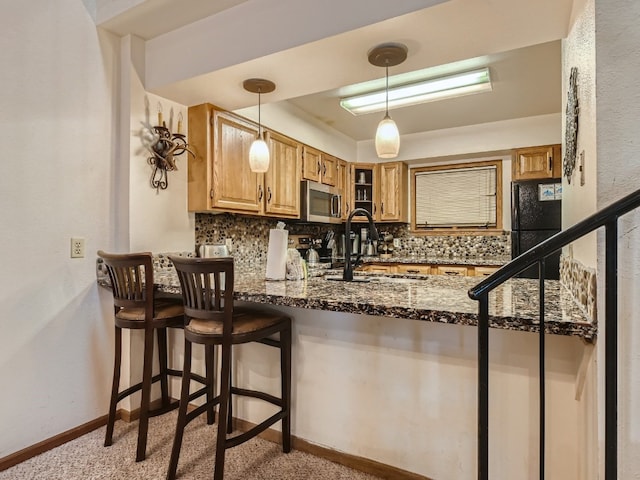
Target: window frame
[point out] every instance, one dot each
(494, 230)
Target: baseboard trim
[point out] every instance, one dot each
(51, 443)
(361, 464)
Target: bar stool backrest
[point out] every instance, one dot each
(207, 288)
(131, 276)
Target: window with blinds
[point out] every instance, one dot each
(464, 197)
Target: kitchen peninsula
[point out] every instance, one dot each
(371, 384)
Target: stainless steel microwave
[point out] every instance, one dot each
(320, 203)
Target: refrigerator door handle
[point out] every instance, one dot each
(515, 244)
(515, 204)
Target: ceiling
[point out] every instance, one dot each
(517, 39)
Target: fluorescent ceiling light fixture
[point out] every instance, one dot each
(457, 85)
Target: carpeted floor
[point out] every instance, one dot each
(85, 458)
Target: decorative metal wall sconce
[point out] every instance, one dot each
(164, 147)
(571, 126)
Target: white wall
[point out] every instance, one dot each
(404, 393)
(618, 172)
(579, 201)
(58, 81)
(159, 220)
(486, 137)
(299, 125)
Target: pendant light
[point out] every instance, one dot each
(387, 135)
(259, 151)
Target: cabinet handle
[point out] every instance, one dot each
(550, 163)
(412, 271)
(318, 168)
(259, 193)
(324, 169)
(382, 208)
(374, 208)
(449, 272)
(269, 194)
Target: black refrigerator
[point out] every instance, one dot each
(535, 216)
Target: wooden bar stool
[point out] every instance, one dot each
(211, 319)
(136, 307)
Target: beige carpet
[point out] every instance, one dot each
(257, 459)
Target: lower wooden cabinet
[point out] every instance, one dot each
(452, 270)
(421, 269)
(426, 269)
(484, 271)
(376, 268)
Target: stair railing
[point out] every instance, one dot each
(607, 218)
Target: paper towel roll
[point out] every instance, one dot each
(277, 254)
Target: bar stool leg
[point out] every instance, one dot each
(223, 414)
(117, 361)
(143, 427)
(182, 412)
(230, 410)
(209, 355)
(285, 369)
(162, 359)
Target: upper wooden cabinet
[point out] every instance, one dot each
(318, 166)
(219, 177)
(282, 180)
(381, 189)
(343, 176)
(537, 162)
(394, 180)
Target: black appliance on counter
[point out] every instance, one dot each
(535, 216)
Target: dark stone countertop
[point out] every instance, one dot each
(432, 298)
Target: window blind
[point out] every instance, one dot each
(464, 197)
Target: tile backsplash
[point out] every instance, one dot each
(250, 235)
(448, 245)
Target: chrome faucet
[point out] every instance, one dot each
(347, 275)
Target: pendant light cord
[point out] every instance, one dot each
(387, 89)
(259, 119)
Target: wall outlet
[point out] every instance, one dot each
(396, 243)
(229, 244)
(77, 247)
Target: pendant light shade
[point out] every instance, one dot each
(387, 138)
(259, 151)
(387, 135)
(259, 156)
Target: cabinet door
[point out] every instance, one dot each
(534, 162)
(199, 177)
(376, 268)
(235, 186)
(328, 174)
(393, 192)
(342, 184)
(311, 164)
(282, 180)
(452, 270)
(410, 268)
(481, 271)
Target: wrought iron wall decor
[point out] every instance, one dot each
(571, 127)
(164, 147)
